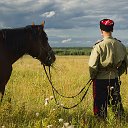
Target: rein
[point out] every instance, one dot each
(55, 90)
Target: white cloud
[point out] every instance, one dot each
(66, 40)
(48, 14)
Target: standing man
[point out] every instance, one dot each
(108, 61)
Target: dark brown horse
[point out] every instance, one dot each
(14, 43)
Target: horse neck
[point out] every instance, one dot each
(15, 43)
(13, 58)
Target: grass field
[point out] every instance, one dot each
(29, 102)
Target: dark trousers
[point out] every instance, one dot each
(106, 92)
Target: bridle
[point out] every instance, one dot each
(48, 58)
(55, 90)
(41, 47)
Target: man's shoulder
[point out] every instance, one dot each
(97, 44)
(119, 43)
(117, 39)
(98, 41)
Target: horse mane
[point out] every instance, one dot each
(16, 39)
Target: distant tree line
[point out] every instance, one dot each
(73, 50)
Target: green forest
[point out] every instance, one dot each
(73, 50)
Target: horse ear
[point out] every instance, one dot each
(33, 23)
(43, 22)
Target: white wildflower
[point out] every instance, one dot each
(37, 114)
(71, 126)
(49, 126)
(61, 120)
(61, 105)
(53, 109)
(46, 101)
(51, 97)
(66, 124)
(3, 126)
(111, 88)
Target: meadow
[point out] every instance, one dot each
(29, 101)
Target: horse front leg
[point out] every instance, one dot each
(2, 90)
(4, 77)
(1, 96)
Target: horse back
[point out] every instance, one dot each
(12, 36)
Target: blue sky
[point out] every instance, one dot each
(67, 22)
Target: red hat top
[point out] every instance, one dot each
(106, 25)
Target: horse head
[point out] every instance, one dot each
(40, 48)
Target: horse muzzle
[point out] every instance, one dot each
(50, 58)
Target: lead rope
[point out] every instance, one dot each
(79, 101)
(54, 90)
(49, 79)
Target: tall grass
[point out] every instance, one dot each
(24, 104)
